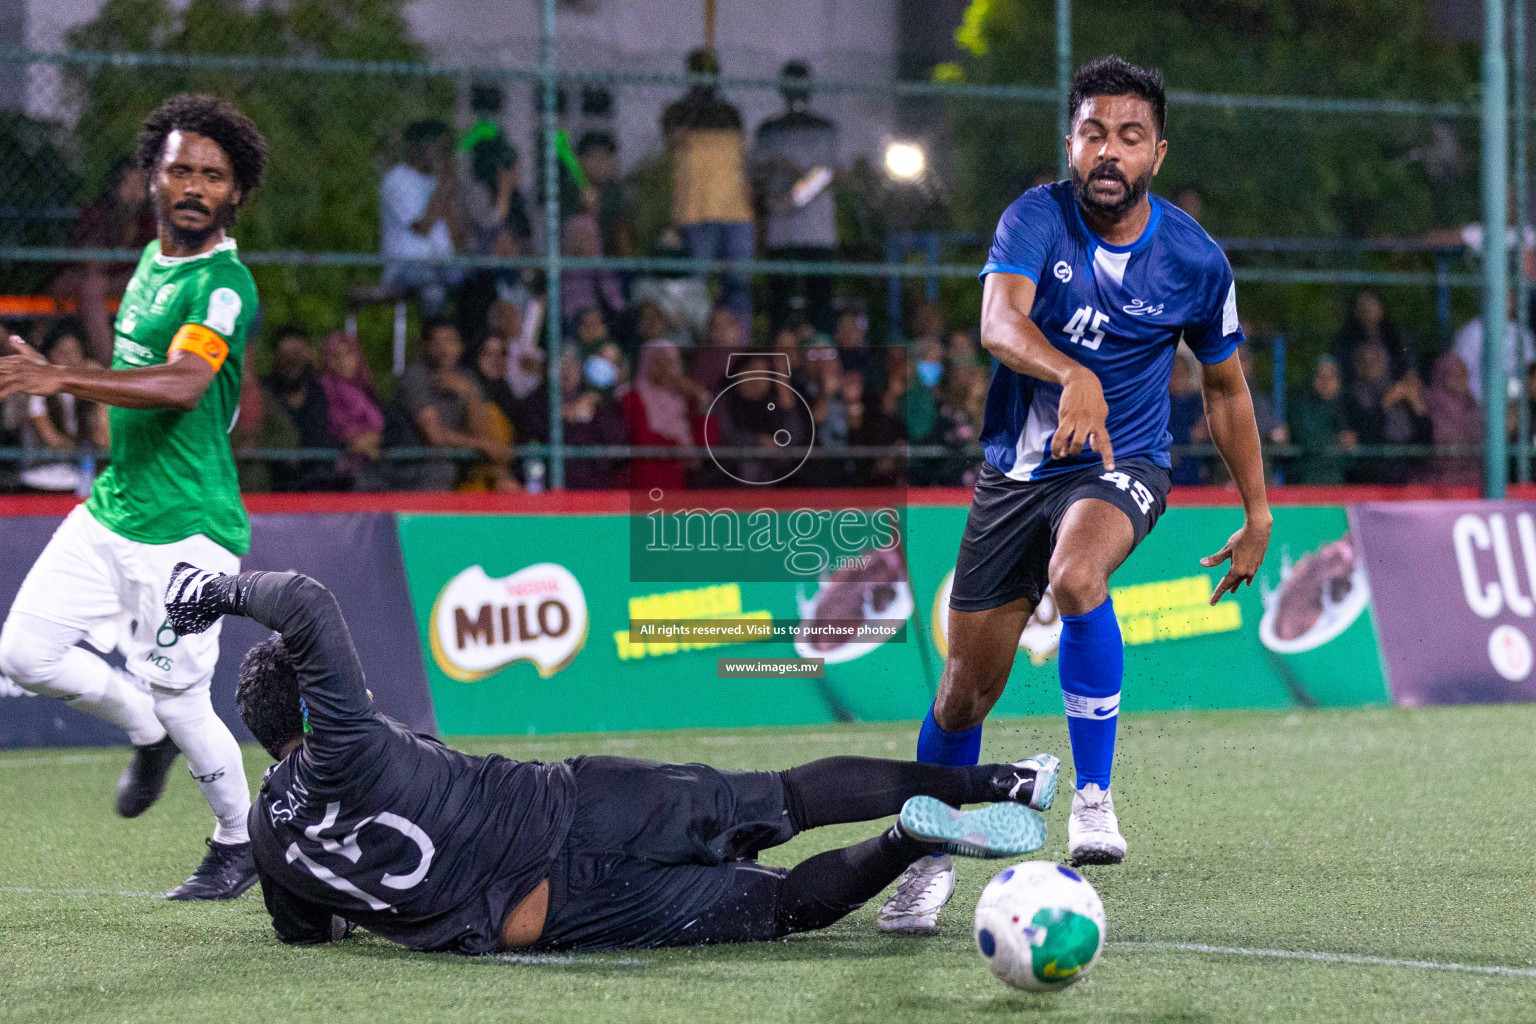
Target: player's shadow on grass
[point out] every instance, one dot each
(801, 949)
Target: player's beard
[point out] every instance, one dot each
(222, 216)
(1132, 192)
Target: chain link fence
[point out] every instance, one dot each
(1315, 198)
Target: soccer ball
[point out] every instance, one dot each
(1040, 926)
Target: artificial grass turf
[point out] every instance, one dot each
(1392, 833)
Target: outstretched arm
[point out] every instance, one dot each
(1229, 413)
(178, 383)
(309, 620)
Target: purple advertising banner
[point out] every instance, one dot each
(356, 555)
(1453, 587)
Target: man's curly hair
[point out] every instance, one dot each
(267, 695)
(218, 119)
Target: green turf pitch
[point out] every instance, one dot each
(1396, 834)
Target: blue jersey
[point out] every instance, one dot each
(1120, 310)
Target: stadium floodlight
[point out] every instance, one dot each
(905, 161)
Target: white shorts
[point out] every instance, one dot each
(112, 589)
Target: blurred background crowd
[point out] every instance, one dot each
(432, 369)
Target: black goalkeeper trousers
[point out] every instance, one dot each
(665, 854)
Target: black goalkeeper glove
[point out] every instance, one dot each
(196, 598)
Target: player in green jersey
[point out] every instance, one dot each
(169, 494)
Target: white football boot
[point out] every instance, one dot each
(921, 893)
(1093, 831)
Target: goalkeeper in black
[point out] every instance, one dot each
(363, 822)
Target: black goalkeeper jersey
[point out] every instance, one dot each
(388, 829)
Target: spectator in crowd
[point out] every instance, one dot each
(750, 413)
(852, 345)
(723, 337)
(599, 157)
(711, 198)
(355, 417)
(496, 218)
(792, 168)
(1455, 419)
(662, 409)
(962, 350)
(821, 384)
(1380, 411)
(485, 103)
(919, 406)
(487, 188)
(1368, 323)
(652, 324)
(682, 298)
(1186, 417)
(421, 216)
(294, 383)
(1519, 350)
(963, 402)
(591, 417)
(588, 289)
(443, 409)
(1319, 428)
(874, 422)
(487, 369)
(60, 424)
(525, 359)
(119, 218)
(261, 422)
(927, 323)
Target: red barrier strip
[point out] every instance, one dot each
(618, 502)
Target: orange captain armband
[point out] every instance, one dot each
(201, 341)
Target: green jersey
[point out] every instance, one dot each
(172, 474)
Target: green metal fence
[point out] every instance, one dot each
(324, 242)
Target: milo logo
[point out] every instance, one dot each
(481, 625)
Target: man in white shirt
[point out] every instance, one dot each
(1519, 354)
(421, 217)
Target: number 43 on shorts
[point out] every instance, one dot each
(1139, 493)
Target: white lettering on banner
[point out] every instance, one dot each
(1469, 530)
(1504, 558)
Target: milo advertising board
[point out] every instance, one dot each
(527, 621)
(1301, 635)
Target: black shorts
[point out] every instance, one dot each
(664, 855)
(1005, 553)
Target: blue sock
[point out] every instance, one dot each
(1092, 661)
(935, 746)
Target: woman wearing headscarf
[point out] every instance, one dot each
(1455, 418)
(1318, 424)
(663, 409)
(356, 421)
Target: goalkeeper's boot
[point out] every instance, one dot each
(996, 830)
(143, 780)
(1093, 831)
(1031, 782)
(921, 893)
(227, 870)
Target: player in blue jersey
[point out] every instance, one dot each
(1089, 288)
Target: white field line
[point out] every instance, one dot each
(1158, 947)
(1328, 958)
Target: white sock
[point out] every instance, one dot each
(212, 755)
(41, 656)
